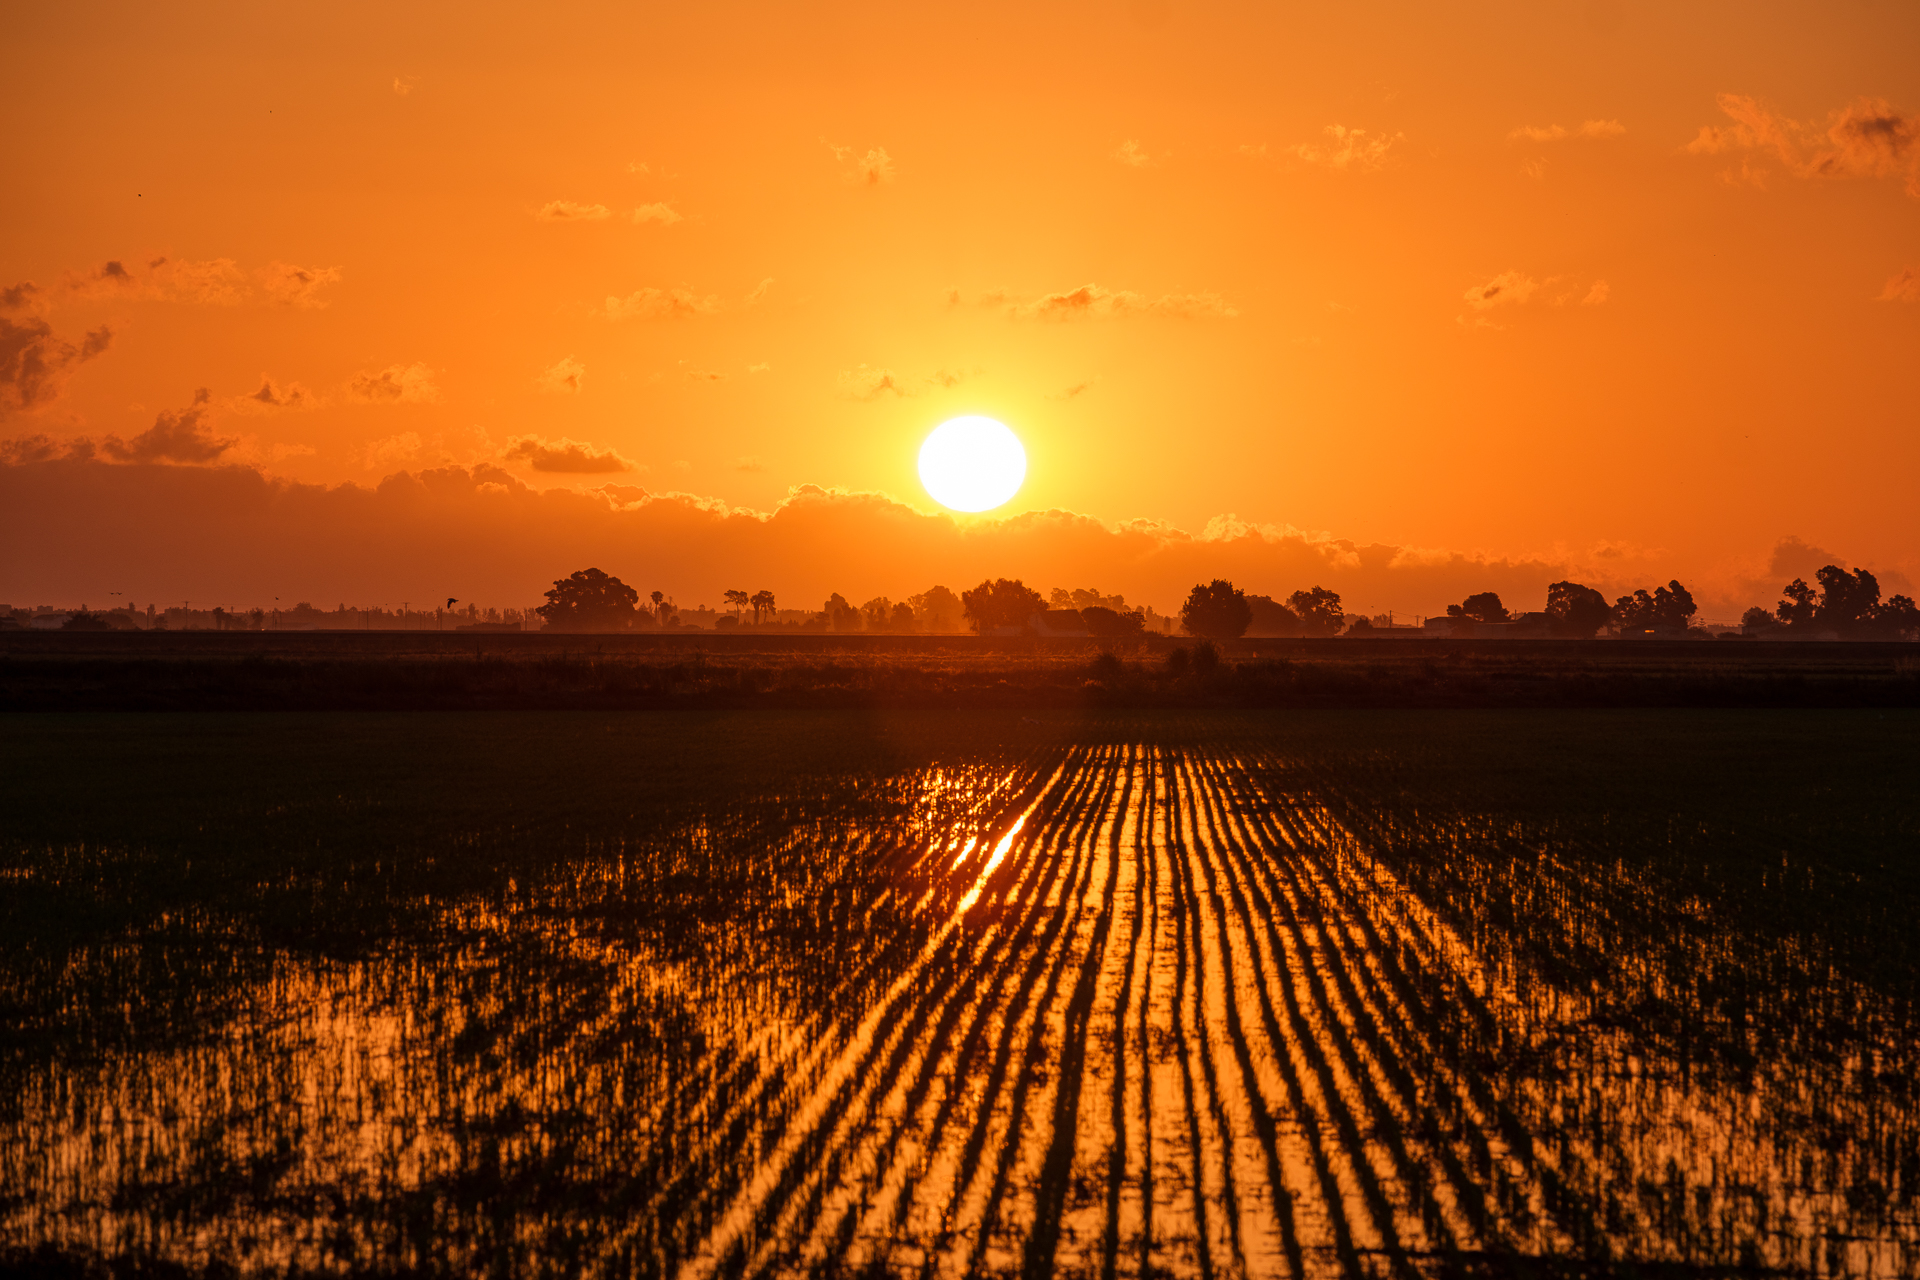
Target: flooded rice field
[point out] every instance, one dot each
(1096, 1003)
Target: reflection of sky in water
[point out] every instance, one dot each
(1125, 1008)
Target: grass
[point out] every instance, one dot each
(453, 992)
(283, 671)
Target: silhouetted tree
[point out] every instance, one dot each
(590, 601)
(1847, 604)
(1271, 618)
(1847, 600)
(1757, 619)
(936, 609)
(762, 602)
(1002, 602)
(876, 613)
(1110, 624)
(1483, 606)
(1217, 610)
(1898, 618)
(1668, 608)
(1319, 611)
(1799, 605)
(902, 618)
(736, 600)
(1575, 611)
(841, 615)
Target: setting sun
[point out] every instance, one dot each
(972, 464)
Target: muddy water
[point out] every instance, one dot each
(1122, 1010)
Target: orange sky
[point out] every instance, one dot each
(1598, 288)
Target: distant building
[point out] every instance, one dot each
(1059, 624)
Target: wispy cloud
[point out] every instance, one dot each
(1867, 138)
(660, 212)
(395, 384)
(750, 464)
(867, 383)
(1092, 302)
(660, 304)
(1903, 287)
(1348, 150)
(1509, 288)
(1132, 154)
(571, 457)
(563, 376)
(216, 282)
(274, 397)
(1592, 130)
(1515, 289)
(572, 211)
(874, 168)
(296, 286)
(758, 294)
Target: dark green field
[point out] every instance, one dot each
(1085, 991)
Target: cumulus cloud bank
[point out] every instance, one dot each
(228, 530)
(182, 435)
(34, 363)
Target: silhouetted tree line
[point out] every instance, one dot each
(1846, 605)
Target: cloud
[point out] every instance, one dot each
(1867, 138)
(1591, 129)
(404, 85)
(705, 375)
(378, 455)
(563, 376)
(1596, 295)
(758, 294)
(874, 168)
(565, 457)
(639, 166)
(1131, 153)
(866, 383)
(179, 436)
(660, 304)
(1507, 287)
(294, 286)
(1076, 390)
(751, 465)
(270, 397)
(762, 367)
(34, 364)
(569, 211)
(215, 282)
(231, 531)
(395, 384)
(1091, 302)
(660, 212)
(1904, 287)
(1348, 150)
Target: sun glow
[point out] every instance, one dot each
(972, 464)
